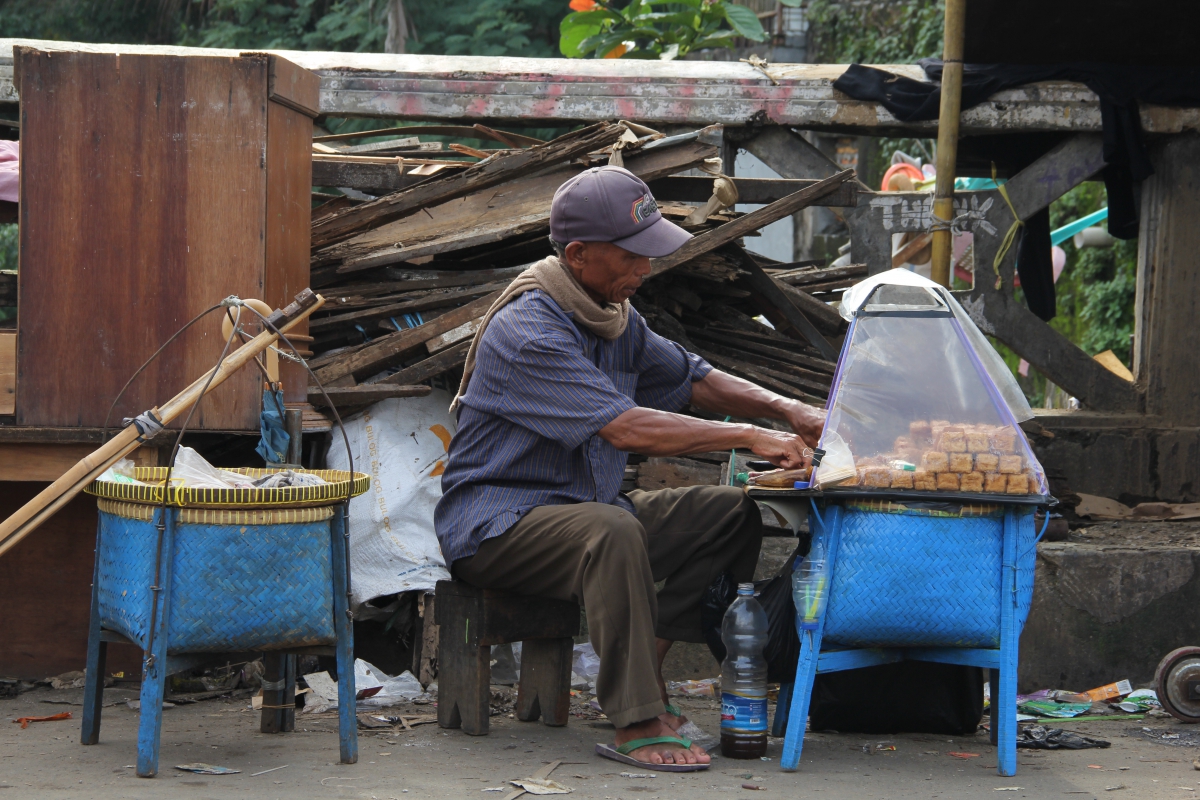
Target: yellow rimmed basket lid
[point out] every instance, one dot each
(338, 485)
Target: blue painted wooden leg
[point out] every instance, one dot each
(154, 662)
(347, 718)
(93, 692)
(829, 526)
(1006, 699)
(779, 724)
(797, 719)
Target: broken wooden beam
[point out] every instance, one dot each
(777, 294)
(425, 301)
(444, 361)
(693, 189)
(347, 396)
(388, 350)
(478, 176)
(372, 178)
(802, 278)
(516, 210)
(751, 222)
(480, 132)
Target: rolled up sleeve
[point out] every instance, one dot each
(554, 391)
(667, 372)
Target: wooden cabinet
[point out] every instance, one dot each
(153, 186)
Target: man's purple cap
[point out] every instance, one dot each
(611, 204)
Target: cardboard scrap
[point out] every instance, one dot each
(1105, 509)
(547, 786)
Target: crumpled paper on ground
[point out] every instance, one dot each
(535, 786)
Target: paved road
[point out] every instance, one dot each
(47, 761)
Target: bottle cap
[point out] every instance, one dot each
(746, 589)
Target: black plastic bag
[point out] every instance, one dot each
(1038, 737)
(904, 697)
(775, 596)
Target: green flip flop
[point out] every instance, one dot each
(621, 754)
(674, 710)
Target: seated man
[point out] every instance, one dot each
(563, 379)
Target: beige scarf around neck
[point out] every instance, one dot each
(553, 278)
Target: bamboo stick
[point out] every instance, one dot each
(947, 152)
(29, 516)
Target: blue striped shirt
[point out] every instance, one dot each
(541, 390)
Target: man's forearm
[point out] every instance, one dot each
(722, 393)
(660, 433)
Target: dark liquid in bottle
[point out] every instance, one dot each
(742, 745)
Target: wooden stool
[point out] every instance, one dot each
(470, 621)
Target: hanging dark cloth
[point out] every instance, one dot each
(1035, 265)
(1119, 88)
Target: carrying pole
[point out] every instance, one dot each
(947, 142)
(29, 516)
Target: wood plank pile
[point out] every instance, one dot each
(409, 273)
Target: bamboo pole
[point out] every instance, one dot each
(29, 516)
(947, 142)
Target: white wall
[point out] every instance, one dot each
(776, 240)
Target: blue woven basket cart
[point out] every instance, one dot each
(218, 572)
(911, 583)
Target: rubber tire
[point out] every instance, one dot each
(1160, 680)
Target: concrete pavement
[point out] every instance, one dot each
(46, 760)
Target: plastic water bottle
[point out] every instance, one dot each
(810, 585)
(744, 678)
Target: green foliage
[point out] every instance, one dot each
(526, 28)
(8, 246)
(354, 25)
(1095, 293)
(445, 27)
(452, 27)
(655, 28)
(129, 22)
(874, 31)
(8, 259)
(1096, 290)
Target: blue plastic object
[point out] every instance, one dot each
(218, 588)
(1060, 235)
(273, 436)
(914, 585)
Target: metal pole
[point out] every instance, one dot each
(947, 153)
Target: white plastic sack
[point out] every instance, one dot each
(367, 675)
(192, 471)
(585, 662)
(402, 444)
(393, 690)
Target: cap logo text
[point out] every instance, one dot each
(643, 207)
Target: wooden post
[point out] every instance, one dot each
(947, 152)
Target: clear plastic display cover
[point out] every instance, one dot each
(916, 406)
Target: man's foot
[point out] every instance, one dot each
(673, 717)
(664, 753)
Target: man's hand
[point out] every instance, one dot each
(781, 449)
(806, 421)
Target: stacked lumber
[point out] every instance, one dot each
(409, 272)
